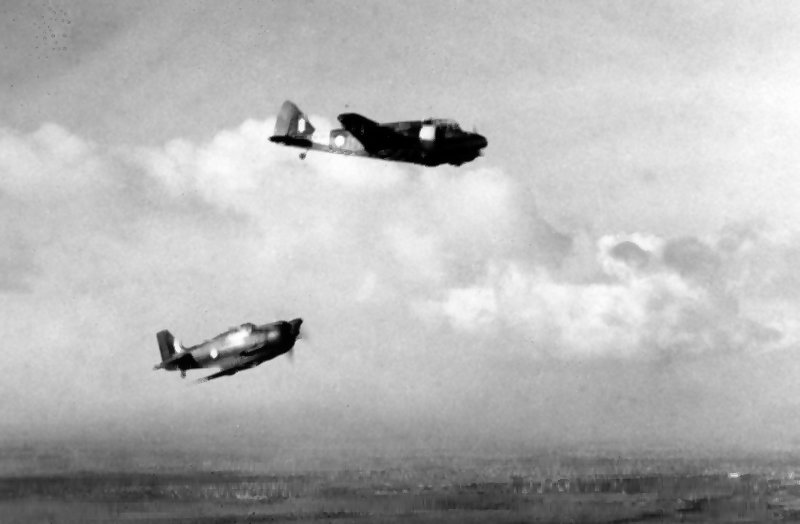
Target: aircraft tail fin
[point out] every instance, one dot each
(168, 345)
(292, 123)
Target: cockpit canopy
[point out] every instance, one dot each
(245, 328)
(446, 128)
(442, 122)
(433, 128)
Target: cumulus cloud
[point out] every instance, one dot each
(470, 246)
(465, 244)
(112, 244)
(654, 298)
(390, 264)
(406, 226)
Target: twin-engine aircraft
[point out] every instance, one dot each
(428, 142)
(237, 349)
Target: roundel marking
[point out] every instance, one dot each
(214, 353)
(427, 133)
(301, 125)
(339, 140)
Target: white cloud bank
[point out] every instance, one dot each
(651, 298)
(463, 244)
(391, 265)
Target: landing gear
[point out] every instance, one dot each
(303, 155)
(183, 373)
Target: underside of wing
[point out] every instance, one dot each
(304, 143)
(348, 152)
(223, 373)
(226, 372)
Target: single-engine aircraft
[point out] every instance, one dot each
(237, 349)
(428, 142)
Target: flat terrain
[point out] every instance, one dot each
(392, 496)
(95, 482)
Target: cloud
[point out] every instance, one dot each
(403, 224)
(654, 299)
(630, 253)
(112, 244)
(467, 245)
(391, 266)
(691, 258)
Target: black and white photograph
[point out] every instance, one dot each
(356, 261)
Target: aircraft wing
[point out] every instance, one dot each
(223, 373)
(304, 143)
(373, 136)
(226, 372)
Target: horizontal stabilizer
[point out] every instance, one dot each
(292, 141)
(178, 361)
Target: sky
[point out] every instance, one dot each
(619, 267)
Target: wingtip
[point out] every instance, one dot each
(203, 380)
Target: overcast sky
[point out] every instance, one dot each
(620, 266)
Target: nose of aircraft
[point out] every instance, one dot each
(296, 323)
(480, 141)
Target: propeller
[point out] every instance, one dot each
(296, 327)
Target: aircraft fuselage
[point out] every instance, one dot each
(259, 344)
(429, 142)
